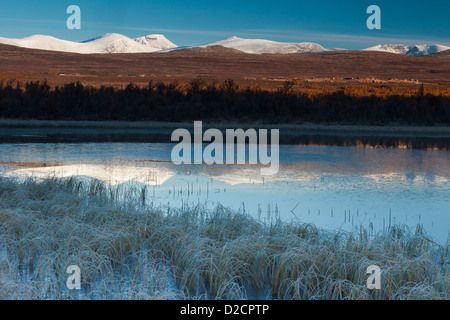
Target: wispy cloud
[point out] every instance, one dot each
(341, 39)
(354, 38)
(301, 35)
(31, 20)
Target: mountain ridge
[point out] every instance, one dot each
(416, 50)
(107, 43)
(262, 46)
(117, 43)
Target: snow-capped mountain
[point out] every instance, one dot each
(391, 48)
(43, 42)
(117, 43)
(108, 43)
(156, 41)
(260, 46)
(417, 50)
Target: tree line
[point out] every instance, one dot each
(219, 101)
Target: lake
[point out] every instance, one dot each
(331, 187)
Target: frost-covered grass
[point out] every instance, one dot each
(130, 251)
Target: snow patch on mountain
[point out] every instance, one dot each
(113, 43)
(391, 48)
(260, 46)
(108, 43)
(117, 43)
(156, 41)
(44, 43)
(417, 50)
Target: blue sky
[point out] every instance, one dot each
(331, 23)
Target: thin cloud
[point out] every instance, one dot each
(30, 20)
(300, 36)
(349, 38)
(341, 39)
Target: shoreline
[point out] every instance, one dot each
(394, 136)
(333, 127)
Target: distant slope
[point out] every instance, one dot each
(216, 63)
(213, 49)
(260, 46)
(417, 50)
(43, 43)
(391, 48)
(443, 54)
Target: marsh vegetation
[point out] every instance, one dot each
(128, 250)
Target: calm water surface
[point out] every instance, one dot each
(332, 187)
